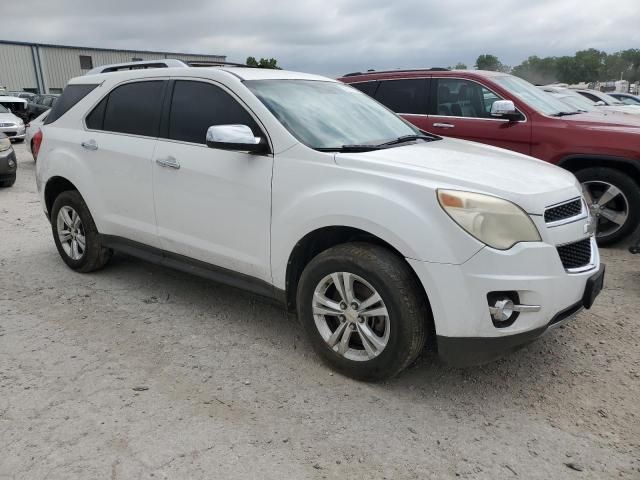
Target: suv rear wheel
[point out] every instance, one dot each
(362, 310)
(614, 200)
(75, 234)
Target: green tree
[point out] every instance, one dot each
(489, 62)
(539, 71)
(263, 63)
(460, 66)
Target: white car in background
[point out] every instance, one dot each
(304, 189)
(10, 124)
(581, 103)
(33, 127)
(602, 99)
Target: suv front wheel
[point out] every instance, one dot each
(363, 310)
(76, 235)
(614, 200)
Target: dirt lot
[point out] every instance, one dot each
(143, 372)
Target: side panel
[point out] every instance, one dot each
(310, 192)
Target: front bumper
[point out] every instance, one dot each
(16, 132)
(8, 164)
(458, 298)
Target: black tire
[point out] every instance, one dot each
(629, 188)
(395, 282)
(8, 183)
(95, 256)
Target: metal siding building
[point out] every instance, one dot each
(44, 68)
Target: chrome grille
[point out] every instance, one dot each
(563, 211)
(575, 255)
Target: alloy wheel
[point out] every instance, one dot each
(608, 205)
(71, 233)
(351, 316)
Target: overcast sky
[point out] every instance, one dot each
(334, 37)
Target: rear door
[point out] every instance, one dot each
(212, 205)
(405, 96)
(122, 131)
(461, 108)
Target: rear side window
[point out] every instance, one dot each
(71, 95)
(133, 108)
(403, 96)
(366, 87)
(196, 106)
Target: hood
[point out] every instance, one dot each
(10, 118)
(606, 119)
(449, 163)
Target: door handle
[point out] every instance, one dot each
(90, 145)
(444, 125)
(169, 162)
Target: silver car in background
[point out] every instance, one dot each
(11, 125)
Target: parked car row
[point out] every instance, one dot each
(381, 236)
(505, 111)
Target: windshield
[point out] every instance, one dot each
(576, 101)
(533, 96)
(629, 100)
(329, 115)
(610, 100)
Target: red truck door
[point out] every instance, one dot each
(461, 108)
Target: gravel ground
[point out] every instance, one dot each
(142, 372)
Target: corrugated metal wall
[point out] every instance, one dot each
(16, 67)
(60, 64)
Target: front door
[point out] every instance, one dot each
(212, 205)
(461, 108)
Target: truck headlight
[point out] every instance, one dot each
(494, 221)
(5, 144)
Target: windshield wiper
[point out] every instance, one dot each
(350, 148)
(409, 138)
(564, 114)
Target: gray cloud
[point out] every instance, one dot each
(333, 37)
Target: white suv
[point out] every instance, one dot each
(299, 187)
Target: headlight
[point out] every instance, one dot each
(5, 144)
(496, 222)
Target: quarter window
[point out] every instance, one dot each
(463, 98)
(133, 108)
(196, 106)
(366, 87)
(402, 96)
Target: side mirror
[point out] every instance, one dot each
(600, 103)
(235, 137)
(505, 109)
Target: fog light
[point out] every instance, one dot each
(502, 310)
(11, 163)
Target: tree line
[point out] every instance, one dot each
(590, 65)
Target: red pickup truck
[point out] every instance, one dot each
(601, 149)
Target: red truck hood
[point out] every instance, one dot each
(606, 120)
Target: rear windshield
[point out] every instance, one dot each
(71, 95)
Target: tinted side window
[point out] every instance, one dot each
(402, 96)
(590, 96)
(366, 87)
(463, 98)
(72, 94)
(134, 108)
(196, 106)
(95, 120)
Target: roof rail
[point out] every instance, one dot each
(166, 63)
(213, 63)
(432, 69)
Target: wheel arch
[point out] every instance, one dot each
(54, 187)
(577, 162)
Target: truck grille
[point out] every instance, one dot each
(561, 212)
(575, 255)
